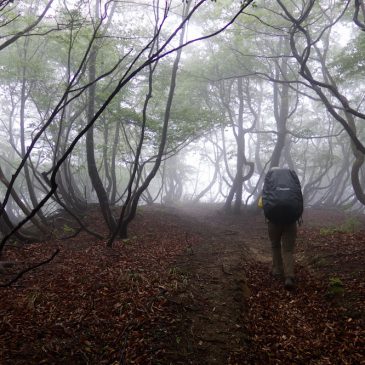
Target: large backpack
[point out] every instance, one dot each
(282, 196)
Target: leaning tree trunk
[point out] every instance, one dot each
(23, 99)
(216, 162)
(241, 161)
(130, 207)
(66, 181)
(90, 149)
(281, 112)
(236, 188)
(357, 164)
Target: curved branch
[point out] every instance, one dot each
(358, 4)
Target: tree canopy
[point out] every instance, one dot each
(127, 103)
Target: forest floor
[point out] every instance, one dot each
(190, 286)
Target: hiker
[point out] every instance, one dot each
(282, 202)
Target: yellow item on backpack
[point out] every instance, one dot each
(260, 204)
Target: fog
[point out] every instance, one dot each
(122, 104)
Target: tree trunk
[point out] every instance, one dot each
(105, 159)
(113, 192)
(90, 148)
(90, 151)
(21, 205)
(281, 111)
(218, 158)
(130, 207)
(237, 186)
(23, 99)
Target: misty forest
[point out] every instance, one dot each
(135, 137)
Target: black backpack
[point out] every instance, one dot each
(282, 196)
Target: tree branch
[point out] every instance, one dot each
(20, 274)
(26, 30)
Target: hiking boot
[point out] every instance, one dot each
(289, 283)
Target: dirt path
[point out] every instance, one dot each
(231, 311)
(190, 286)
(213, 302)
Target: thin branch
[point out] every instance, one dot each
(21, 273)
(26, 30)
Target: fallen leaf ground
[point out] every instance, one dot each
(190, 286)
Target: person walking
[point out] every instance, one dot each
(282, 201)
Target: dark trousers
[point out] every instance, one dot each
(282, 239)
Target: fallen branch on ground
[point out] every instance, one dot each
(21, 273)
